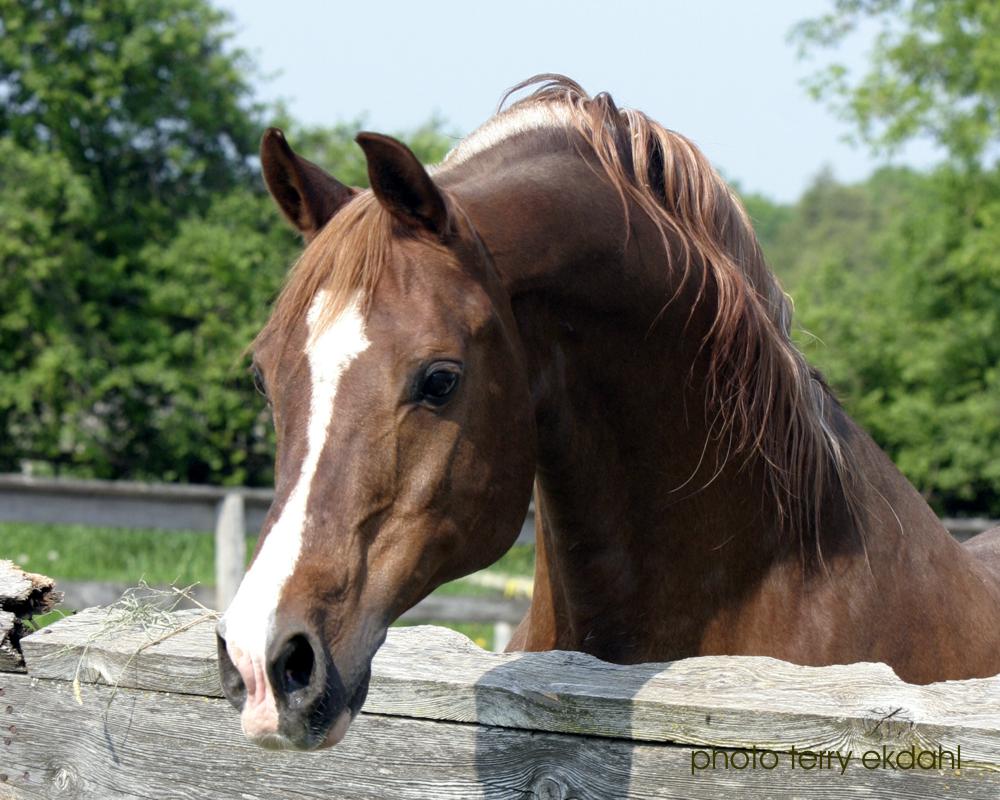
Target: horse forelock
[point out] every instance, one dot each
(345, 262)
(763, 396)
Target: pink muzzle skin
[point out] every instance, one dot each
(259, 718)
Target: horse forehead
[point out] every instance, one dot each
(428, 298)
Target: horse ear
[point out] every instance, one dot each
(306, 194)
(401, 183)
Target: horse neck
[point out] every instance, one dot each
(655, 540)
(634, 496)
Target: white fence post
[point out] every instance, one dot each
(230, 548)
(502, 631)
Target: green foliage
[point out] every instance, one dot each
(899, 277)
(208, 290)
(50, 295)
(138, 252)
(118, 120)
(833, 223)
(143, 100)
(897, 281)
(935, 72)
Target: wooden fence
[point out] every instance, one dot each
(106, 710)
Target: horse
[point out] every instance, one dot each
(572, 303)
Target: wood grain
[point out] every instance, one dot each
(106, 646)
(435, 674)
(138, 744)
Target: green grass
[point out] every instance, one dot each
(519, 560)
(122, 555)
(41, 620)
(480, 632)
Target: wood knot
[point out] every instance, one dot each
(65, 782)
(549, 789)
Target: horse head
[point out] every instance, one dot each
(405, 436)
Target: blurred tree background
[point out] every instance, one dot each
(138, 252)
(899, 278)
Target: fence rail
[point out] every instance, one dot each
(106, 712)
(232, 513)
(130, 504)
(125, 504)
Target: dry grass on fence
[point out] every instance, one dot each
(145, 608)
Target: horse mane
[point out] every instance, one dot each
(764, 396)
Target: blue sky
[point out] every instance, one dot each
(722, 73)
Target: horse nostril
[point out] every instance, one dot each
(295, 666)
(232, 682)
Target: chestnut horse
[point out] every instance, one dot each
(573, 300)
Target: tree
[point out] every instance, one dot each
(911, 319)
(138, 251)
(143, 100)
(209, 292)
(935, 72)
(45, 279)
(911, 338)
(118, 120)
(833, 222)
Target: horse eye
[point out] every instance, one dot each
(438, 384)
(258, 380)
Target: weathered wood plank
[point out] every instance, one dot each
(10, 635)
(22, 594)
(25, 593)
(432, 673)
(709, 701)
(106, 646)
(147, 745)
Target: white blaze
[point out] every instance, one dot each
(250, 617)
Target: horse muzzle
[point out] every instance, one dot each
(293, 696)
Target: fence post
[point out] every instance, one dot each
(230, 548)
(502, 631)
